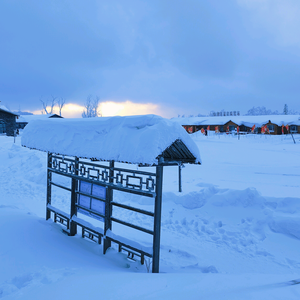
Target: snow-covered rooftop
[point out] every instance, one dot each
(29, 118)
(241, 120)
(133, 139)
(2, 107)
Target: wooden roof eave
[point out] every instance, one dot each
(176, 154)
(6, 111)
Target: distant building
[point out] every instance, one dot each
(25, 119)
(7, 121)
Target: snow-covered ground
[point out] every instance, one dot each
(233, 233)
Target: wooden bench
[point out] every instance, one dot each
(89, 231)
(131, 250)
(60, 216)
(96, 234)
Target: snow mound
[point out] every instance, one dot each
(286, 226)
(289, 205)
(244, 198)
(192, 200)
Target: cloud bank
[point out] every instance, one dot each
(187, 58)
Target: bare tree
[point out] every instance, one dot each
(91, 108)
(52, 104)
(60, 103)
(260, 110)
(46, 105)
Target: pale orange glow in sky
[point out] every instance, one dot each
(110, 108)
(70, 110)
(127, 108)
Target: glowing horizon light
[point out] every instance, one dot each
(108, 109)
(70, 110)
(127, 108)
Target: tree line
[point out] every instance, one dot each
(261, 110)
(254, 111)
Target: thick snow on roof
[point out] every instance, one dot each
(241, 120)
(134, 139)
(2, 107)
(29, 118)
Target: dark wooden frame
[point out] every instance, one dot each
(72, 167)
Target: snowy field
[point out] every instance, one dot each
(233, 233)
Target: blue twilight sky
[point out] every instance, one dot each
(165, 56)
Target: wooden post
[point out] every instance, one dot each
(157, 218)
(73, 209)
(108, 207)
(179, 178)
(49, 178)
(293, 138)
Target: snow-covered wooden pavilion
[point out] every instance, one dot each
(87, 150)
